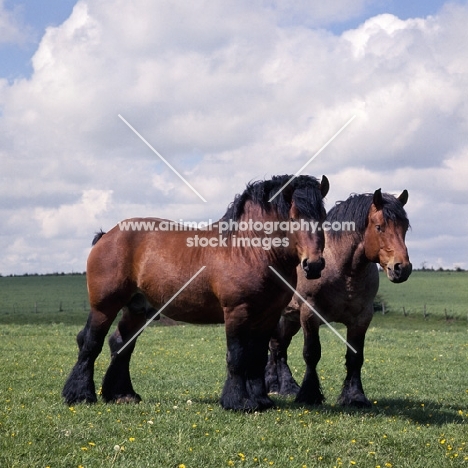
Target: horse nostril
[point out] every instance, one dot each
(399, 272)
(312, 270)
(306, 265)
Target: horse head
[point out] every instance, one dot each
(385, 233)
(309, 241)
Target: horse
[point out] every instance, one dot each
(141, 270)
(344, 293)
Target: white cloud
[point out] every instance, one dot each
(11, 29)
(227, 93)
(77, 219)
(456, 175)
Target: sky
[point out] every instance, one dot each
(227, 92)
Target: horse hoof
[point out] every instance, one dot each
(128, 399)
(291, 389)
(309, 401)
(124, 399)
(246, 405)
(357, 401)
(80, 400)
(74, 398)
(265, 403)
(273, 389)
(312, 399)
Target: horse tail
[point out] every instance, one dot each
(97, 236)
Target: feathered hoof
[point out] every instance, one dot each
(356, 400)
(124, 399)
(247, 405)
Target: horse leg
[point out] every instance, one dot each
(271, 369)
(278, 376)
(246, 358)
(258, 352)
(234, 395)
(352, 393)
(117, 385)
(310, 392)
(79, 386)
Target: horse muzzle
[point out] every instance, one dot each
(399, 272)
(313, 270)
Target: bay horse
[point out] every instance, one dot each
(140, 271)
(344, 293)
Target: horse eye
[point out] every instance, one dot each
(379, 229)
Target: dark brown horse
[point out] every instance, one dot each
(344, 293)
(143, 270)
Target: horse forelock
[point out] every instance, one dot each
(308, 198)
(305, 194)
(393, 210)
(356, 208)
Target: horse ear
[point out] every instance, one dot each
(324, 186)
(378, 199)
(403, 197)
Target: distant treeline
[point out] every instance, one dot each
(423, 268)
(45, 274)
(431, 268)
(438, 269)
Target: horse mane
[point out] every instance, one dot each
(356, 208)
(305, 194)
(97, 236)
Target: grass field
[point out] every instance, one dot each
(415, 374)
(439, 291)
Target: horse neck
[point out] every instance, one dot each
(347, 252)
(284, 256)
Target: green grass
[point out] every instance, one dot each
(415, 374)
(439, 291)
(43, 299)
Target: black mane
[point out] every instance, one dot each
(305, 192)
(356, 208)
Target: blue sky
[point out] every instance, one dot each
(32, 17)
(401, 8)
(234, 91)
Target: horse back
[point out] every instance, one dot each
(155, 263)
(159, 263)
